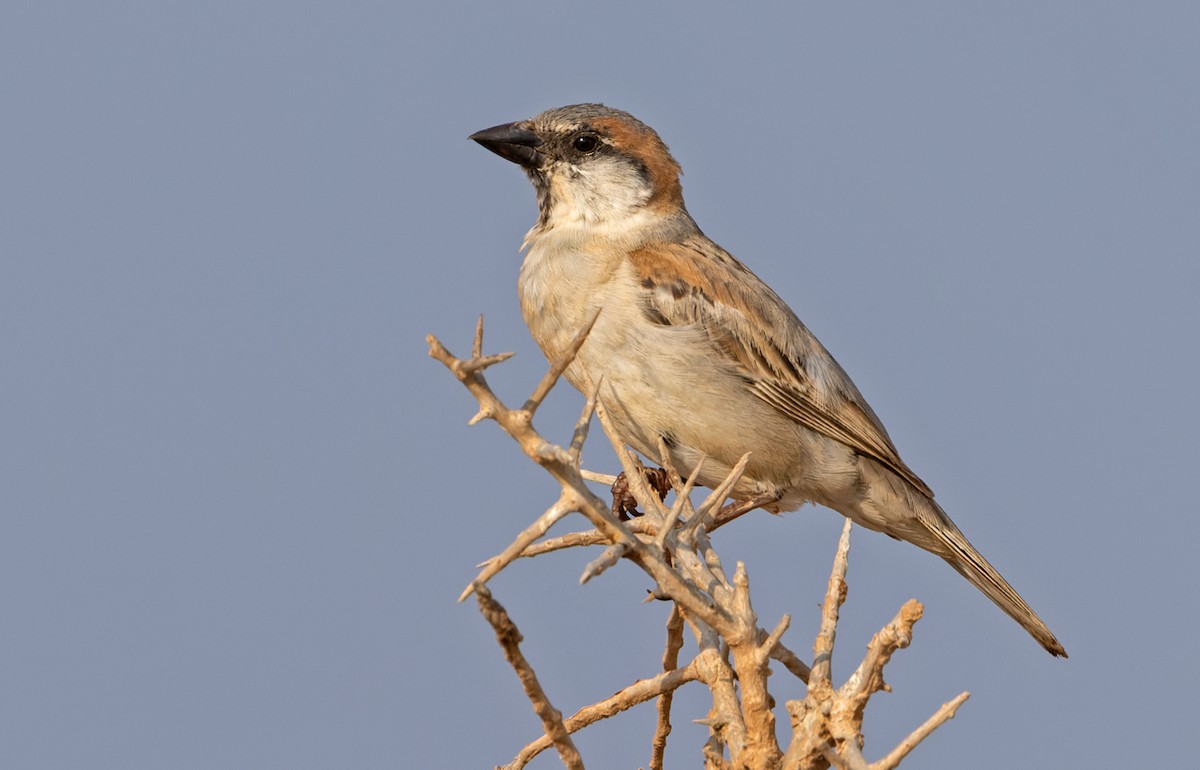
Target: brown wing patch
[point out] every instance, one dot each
(678, 268)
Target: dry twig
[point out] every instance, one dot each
(510, 641)
(669, 661)
(660, 686)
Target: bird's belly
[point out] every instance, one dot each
(662, 381)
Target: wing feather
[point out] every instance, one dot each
(697, 283)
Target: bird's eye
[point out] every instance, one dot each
(585, 143)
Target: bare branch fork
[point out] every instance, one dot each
(672, 546)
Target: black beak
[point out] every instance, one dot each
(511, 141)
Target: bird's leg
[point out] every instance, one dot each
(624, 505)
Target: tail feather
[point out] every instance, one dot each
(894, 506)
(960, 554)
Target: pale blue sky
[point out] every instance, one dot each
(238, 500)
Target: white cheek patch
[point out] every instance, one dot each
(602, 191)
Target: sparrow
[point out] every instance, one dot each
(692, 348)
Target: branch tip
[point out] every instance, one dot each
(560, 364)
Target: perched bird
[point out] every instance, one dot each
(692, 347)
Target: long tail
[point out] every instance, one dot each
(960, 554)
(894, 506)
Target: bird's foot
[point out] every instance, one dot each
(624, 505)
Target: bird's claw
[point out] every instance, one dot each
(624, 505)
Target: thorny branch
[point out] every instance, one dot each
(510, 641)
(670, 661)
(672, 546)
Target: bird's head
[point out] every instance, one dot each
(590, 165)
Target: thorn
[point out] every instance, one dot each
(560, 364)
